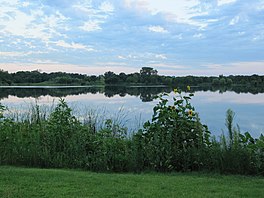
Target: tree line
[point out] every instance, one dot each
(146, 76)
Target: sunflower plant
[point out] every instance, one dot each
(175, 135)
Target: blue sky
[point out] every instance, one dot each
(176, 37)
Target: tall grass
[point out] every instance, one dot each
(174, 140)
(237, 152)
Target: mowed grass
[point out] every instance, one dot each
(29, 182)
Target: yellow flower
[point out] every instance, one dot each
(175, 90)
(171, 107)
(188, 88)
(190, 113)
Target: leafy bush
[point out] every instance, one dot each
(112, 153)
(175, 137)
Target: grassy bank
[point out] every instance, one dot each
(25, 182)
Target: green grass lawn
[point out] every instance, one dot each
(28, 182)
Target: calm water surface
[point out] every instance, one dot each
(133, 106)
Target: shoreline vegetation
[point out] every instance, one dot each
(174, 140)
(146, 76)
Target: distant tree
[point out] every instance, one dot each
(123, 77)
(222, 81)
(215, 81)
(64, 80)
(111, 78)
(133, 78)
(148, 71)
(229, 81)
(93, 78)
(5, 77)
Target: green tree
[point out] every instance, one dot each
(148, 71)
(111, 78)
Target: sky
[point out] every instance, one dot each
(176, 37)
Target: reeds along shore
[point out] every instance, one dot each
(173, 140)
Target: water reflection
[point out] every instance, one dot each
(137, 104)
(146, 94)
(248, 110)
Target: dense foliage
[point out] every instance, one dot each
(37, 77)
(146, 76)
(174, 140)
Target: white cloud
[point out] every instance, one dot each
(11, 54)
(131, 56)
(10, 2)
(160, 56)
(223, 2)
(25, 4)
(95, 16)
(107, 7)
(90, 26)
(20, 54)
(212, 20)
(55, 21)
(235, 20)
(146, 56)
(33, 23)
(44, 61)
(121, 57)
(178, 36)
(73, 45)
(158, 29)
(260, 6)
(198, 35)
(16, 23)
(176, 11)
(258, 36)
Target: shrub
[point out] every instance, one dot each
(112, 153)
(58, 138)
(175, 138)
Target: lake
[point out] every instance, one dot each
(132, 106)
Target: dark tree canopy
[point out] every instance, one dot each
(149, 71)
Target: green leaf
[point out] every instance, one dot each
(186, 97)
